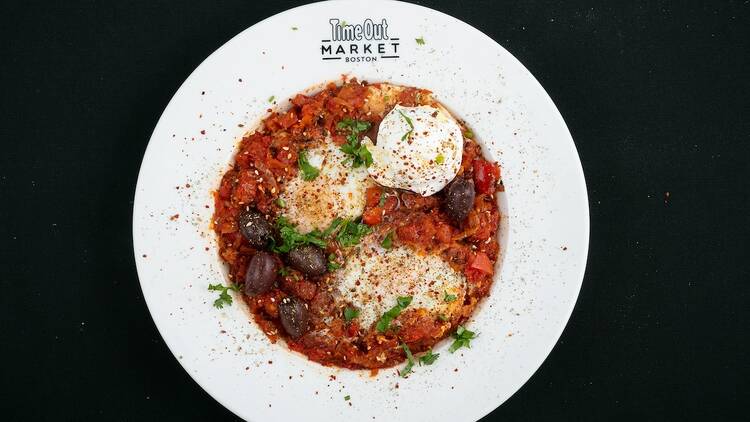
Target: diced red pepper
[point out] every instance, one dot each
(486, 175)
(373, 216)
(480, 262)
(372, 196)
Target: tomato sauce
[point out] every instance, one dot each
(267, 159)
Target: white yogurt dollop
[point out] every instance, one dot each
(418, 149)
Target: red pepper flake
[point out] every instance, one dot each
(144, 255)
(203, 92)
(240, 79)
(203, 131)
(174, 217)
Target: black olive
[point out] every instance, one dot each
(459, 198)
(261, 273)
(256, 229)
(309, 259)
(294, 316)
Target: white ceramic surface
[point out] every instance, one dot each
(545, 231)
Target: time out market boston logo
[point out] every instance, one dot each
(368, 41)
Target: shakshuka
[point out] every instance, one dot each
(360, 225)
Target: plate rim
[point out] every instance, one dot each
(579, 174)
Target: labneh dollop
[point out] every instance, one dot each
(418, 149)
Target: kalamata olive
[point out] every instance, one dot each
(309, 259)
(256, 229)
(294, 316)
(459, 198)
(261, 273)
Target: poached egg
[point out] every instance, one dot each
(418, 149)
(373, 278)
(338, 191)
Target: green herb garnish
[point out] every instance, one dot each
(280, 202)
(359, 153)
(442, 317)
(283, 271)
(381, 202)
(409, 361)
(332, 228)
(420, 40)
(350, 313)
(224, 297)
(271, 98)
(440, 159)
(351, 232)
(332, 264)
(308, 171)
(291, 238)
(428, 358)
(387, 241)
(409, 122)
(449, 298)
(468, 134)
(355, 126)
(384, 323)
(347, 397)
(294, 28)
(462, 338)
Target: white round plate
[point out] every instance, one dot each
(545, 230)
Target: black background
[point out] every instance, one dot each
(654, 93)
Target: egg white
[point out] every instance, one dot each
(422, 159)
(373, 278)
(338, 191)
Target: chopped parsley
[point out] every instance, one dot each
(308, 171)
(420, 40)
(350, 313)
(291, 238)
(468, 134)
(440, 159)
(428, 358)
(384, 323)
(283, 271)
(294, 28)
(355, 126)
(449, 298)
(332, 228)
(224, 297)
(442, 317)
(381, 202)
(280, 202)
(351, 232)
(387, 241)
(347, 397)
(359, 153)
(409, 361)
(332, 264)
(462, 338)
(271, 98)
(409, 122)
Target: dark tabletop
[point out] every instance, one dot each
(654, 93)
